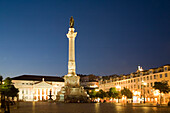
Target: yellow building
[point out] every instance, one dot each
(141, 83)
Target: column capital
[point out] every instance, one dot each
(71, 33)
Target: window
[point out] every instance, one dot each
(166, 68)
(147, 77)
(150, 77)
(138, 80)
(160, 75)
(150, 72)
(147, 84)
(166, 75)
(148, 91)
(144, 78)
(134, 80)
(26, 91)
(131, 81)
(140, 73)
(151, 84)
(22, 83)
(154, 76)
(138, 87)
(26, 83)
(22, 91)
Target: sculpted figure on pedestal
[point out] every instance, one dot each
(71, 22)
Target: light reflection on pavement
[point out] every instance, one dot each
(45, 107)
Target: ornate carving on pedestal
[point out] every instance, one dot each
(72, 81)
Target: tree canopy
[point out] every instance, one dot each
(8, 88)
(113, 92)
(126, 92)
(162, 87)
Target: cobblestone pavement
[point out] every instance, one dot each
(45, 107)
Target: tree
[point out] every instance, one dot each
(118, 95)
(126, 92)
(101, 94)
(1, 78)
(113, 92)
(8, 88)
(162, 87)
(2, 96)
(92, 93)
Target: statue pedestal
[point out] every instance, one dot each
(72, 91)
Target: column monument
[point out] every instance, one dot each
(72, 91)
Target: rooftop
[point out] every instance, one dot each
(38, 78)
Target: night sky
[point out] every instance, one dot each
(114, 36)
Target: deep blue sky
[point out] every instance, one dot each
(114, 37)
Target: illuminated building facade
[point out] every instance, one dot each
(141, 83)
(37, 88)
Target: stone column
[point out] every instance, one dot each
(71, 61)
(37, 95)
(40, 94)
(44, 94)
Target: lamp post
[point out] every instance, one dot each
(144, 84)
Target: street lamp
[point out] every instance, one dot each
(144, 84)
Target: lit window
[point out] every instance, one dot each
(160, 75)
(166, 75)
(26, 91)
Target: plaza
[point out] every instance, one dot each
(50, 63)
(45, 107)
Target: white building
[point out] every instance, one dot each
(37, 88)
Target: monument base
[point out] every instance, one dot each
(72, 91)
